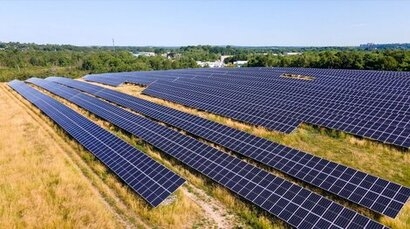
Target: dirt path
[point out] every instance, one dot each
(215, 213)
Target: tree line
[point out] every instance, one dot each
(392, 60)
(21, 61)
(22, 64)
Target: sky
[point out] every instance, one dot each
(206, 22)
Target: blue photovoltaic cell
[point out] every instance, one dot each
(384, 197)
(295, 205)
(149, 179)
(112, 81)
(141, 78)
(371, 104)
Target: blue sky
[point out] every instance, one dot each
(175, 23)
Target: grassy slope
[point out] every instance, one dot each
(40, 186)
(369, 156)
(96, 199)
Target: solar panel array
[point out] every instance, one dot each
(152, 181)
(141, 78)
(295, 205)
(372, 192)
(146, 77)
(371, 104)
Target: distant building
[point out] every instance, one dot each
(240, 63)
(293, 53)
(144, 54)
(211, 64)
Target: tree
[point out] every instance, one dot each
(389, 63)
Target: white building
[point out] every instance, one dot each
(211, 64)
(144, 54)
(240, 63)
(293, 53)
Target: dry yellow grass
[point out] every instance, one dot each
(47, 189)
(40, 186)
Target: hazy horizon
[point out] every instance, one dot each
(178, 46)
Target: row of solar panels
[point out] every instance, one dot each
(374, 106)
(275, 78)
(347, 91)
(149, 179)
(338, 179)
(324, 76)
(283, 113)
(372, 192)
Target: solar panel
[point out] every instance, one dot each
(376, 106)
(295, 205)
(369, 191)
(141, 78)
(247, 114)
(111, 81)
(152, 181)
(85, 86)
(298, 110)
(282, 123)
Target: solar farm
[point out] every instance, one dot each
(255, 133)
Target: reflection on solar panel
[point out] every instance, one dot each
(141, 78)
(295, 205)
(372, 192)
(112, 81)
(150, 180)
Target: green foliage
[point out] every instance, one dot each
(21, 61)
(107, 61)
(25, 63)
(7, 74)
(393, 60)
(202, 53)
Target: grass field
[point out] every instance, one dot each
(41, 185)
(56, 182)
